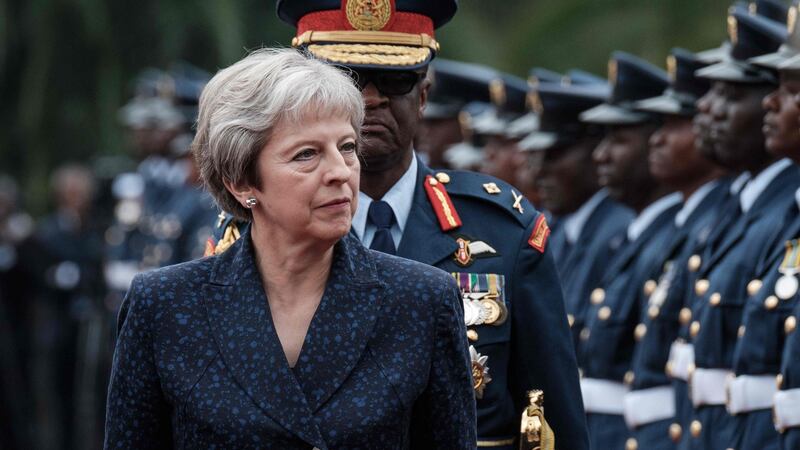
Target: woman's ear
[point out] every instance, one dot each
(241, 191)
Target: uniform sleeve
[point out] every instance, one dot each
(444, 415)
(541, 345)
(137, 415)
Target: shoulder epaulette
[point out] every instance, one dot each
(440, 200)
(225, 234)
(490, 189)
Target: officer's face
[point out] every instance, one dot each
(501, 158)
(566, 178)
(702, 126)
(622, 163)
(736, 127)
(309, 179)
(780, 123)
(390, 124)
(674, 159)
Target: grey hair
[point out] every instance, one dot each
(241, 106)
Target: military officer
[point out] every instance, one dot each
(607, 339)
(770, 300)
(476, 227)
(588, 223)
(650, 406)
(729, 261)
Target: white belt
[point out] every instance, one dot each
(649, 405)
(707, 386)
(603, 396)
(681, 357)
(787, 409)
(750, 393)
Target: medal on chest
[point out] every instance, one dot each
(787, 285)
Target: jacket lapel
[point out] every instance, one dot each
(342, 324)
(423, 240)
(239, 317)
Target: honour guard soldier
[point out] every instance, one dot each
(606, 340)
(478, 228)
(453, 85)
(650, 406)
(730, 260)
(771, 294)
(588, 224)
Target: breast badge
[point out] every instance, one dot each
(480, 371)
(469, 249)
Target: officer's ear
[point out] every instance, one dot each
(424, 87)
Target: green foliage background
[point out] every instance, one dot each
(67, 66)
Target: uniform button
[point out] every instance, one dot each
(694, 263)
(700, 287)
(779, 380)
(585, 333)
(639, 331)
(675, 432)
(753, 287)
(715, 299)
(604, 313)
(631, 444)
(653, 311)
(685, 316)
(694, 328)
(598, 295)
(790, 324)
(771, 302)
(668, 369)
(629, 377)
(649, 287)
(570, 320)
(472, 335)
(433, 181)
(443, 177)
(696, 428)
(740, 332)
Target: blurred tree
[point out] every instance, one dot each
(67, 66)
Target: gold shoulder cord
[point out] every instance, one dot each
(535, 433)
(229, 238)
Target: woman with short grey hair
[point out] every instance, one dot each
(297, 336)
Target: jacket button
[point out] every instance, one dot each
(653, 311)
(771, 302)
(753, 287)
(694, 263)
(715, 299)
(639, 331)
(740, 332)
(585, 333)
(443, 177)
(700, 287)
(604, 313)
(629, 377)
(675, 432)
(685, 316)
(790, 324)
(696, 428)
(631, 444)
(694, 328)
(649, 287)
(598, 295)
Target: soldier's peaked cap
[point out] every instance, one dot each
(377, 34)
(631, 79)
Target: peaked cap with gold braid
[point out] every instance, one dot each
(376, 34)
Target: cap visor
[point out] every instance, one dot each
(664, 104)
(713, 55)
(792, 63)
(771, 60)
(435, 111)
(538, 141)
(463, 155)
(734, 71)
(373, 56)
(607, 114)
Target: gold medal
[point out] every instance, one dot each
(480, 371)
(494, 311)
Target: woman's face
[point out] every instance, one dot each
(309, 175)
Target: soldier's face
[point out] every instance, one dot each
(435, 136)
(674, 159)
(566, 179)
(501, 158)
(780, 123)
(736, 127)
(390, 124)
(702, 126)
(622, 163)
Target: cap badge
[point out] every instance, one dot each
(733, 30)
(612, 72)
(497, 91)
(672, 67)
(368, 15)
(791, 19)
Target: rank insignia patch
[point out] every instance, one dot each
(541, 232)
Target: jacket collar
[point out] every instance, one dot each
(423, 240)
(240, 318)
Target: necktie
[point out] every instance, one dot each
(381, 215)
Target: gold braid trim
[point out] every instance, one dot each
(366, 37)
(385, 55)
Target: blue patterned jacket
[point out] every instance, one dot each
(384, 365)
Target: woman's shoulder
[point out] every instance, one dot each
(167, 279)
